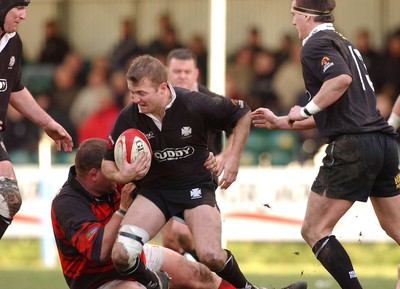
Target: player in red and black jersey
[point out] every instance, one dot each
(13, 92)
(85, 219)
(86, 215)
(361, 159)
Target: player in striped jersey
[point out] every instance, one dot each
(86, 215)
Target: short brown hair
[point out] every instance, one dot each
(319, 5)
(181, 54)
(89, 155)
(146, 66)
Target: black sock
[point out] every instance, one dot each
(142, 274)
(232, 273)
(336, 261)
(4, 223)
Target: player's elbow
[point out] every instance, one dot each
(104, 256)
(345, 80)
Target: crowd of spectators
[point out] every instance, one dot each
(85, 95)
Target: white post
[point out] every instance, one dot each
(217, 57)
(47, 246)
(217, 54)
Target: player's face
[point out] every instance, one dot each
(13, 18)
(103, 184)
(183, 73)
(148, 98)
(299, 20)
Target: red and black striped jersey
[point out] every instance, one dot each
(78, 220)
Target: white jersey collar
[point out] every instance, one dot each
(173, 97)
(323, 26)
(4, 40)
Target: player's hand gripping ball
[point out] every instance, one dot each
(133, 141)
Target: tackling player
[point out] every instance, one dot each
(86, 215)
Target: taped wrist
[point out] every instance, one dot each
(121, 212)
(310, 109)
(394, 120)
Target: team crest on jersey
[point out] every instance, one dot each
(397, 181)
(186, 131)
(91, 232)
(149, 135)
(326, 63)
(3, 85)
(195, 193)
(12, 62)
(237, 102)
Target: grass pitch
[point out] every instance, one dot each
(272, 265)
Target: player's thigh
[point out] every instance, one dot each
(388, 213)
(205, 225)
(180, 229)
(146, 215)
(322, 214)
(167, 231)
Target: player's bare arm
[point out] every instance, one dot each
(220, 158)
(331, 90)
(211, 163)
(232, 161)
(111, 229)
(128, 172)
(24, 102)
(265, 118)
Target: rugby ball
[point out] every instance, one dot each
(133, 141)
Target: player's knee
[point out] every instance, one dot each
(201, 278)
(186, 241)
(304, 233)
(310, 235)
(10, 197)
(128, 246)
(391, 230)
(213, 259)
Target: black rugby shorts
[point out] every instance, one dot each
(358, 166)
(174, 202)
